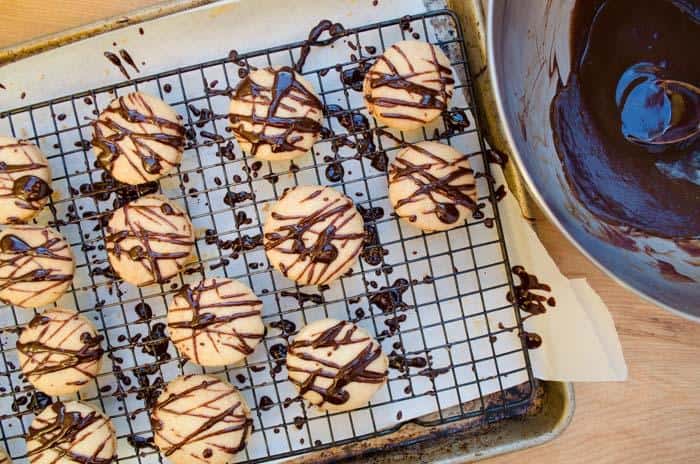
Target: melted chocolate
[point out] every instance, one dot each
(31, 188)
(618, 120)
(390, 299)
(532, 303)
(114, 59)
(62, 434)
(335, 32)
(109, 136)
(285, 86)
(340, 376)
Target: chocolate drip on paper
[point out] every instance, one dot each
(324, 250)
(63, 431)
(153, 132)
(58, 358)
(143, 253)
(339, 375)
(430, 98)
(285, 86)
(206, 322)
(532, 303)
(234, 416)
(430, 186)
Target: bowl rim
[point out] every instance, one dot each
(507, 133)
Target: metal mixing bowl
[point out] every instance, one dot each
(528, 48)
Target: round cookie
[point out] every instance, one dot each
(25, 180)
(71, 432)
(36, 266)
(215, 323)
(275, 114)
(313, 234)
(409, 85)
(59, 351)
(336, 365)
(138, 138)
(200, 418)
(4, 459)
(432, 186)
(149, 240)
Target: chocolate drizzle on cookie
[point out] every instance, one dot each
(142, 147)
(61, 435)
(429, 97)
(45, 355)
(230, 419)
(22, 263)
(214, 320)
(275, 100)
(334, 337)
(433, 187)
(144, 252)
(323, 250)
(30, 191)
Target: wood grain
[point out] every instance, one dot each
(653, 417)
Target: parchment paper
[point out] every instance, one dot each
(580, 342)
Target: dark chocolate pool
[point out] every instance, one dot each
(626, 123)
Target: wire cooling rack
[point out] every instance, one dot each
(442, 292)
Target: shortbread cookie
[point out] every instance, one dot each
(71, 433)
(216, 322)
(313, 234)
(138, 138)
(432, 186)
(336, 365)
(408, 86)
(4, 459)
(275, 114)
(25, 180)
(59, 351)
(36, 266)
(149, 240)
(199, 418)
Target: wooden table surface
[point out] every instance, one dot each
(653, 417)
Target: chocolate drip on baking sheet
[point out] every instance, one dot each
(205, 322)
(335, 32)
(432, 187)
(143, 252)
(114, 59)
(320, 258)
(340, 334)
(46, 358)
(111, 138)
(285, 86)
(430, 98)
(61, 435)
(234, 418)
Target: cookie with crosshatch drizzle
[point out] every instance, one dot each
(36, 266)
(275, 114)
(149, 240)
(200, 418)
(138, 138)
(313, 234)
(432, 186)
(59, 351)
(25, 180)
(336, 365)
(408, 86)
(215, 322)
(71, 432)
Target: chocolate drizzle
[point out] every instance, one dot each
(335, 32)
(319, 259)
(45, 355)
(214, 321)
(268, 104)
(30, 191)
(422, 95)
(456, 185)
(530, 302)
(143, 252)
(334, 337)
(215, 422)
(61, 435)
(122, 130)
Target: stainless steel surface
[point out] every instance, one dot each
(528, 54)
